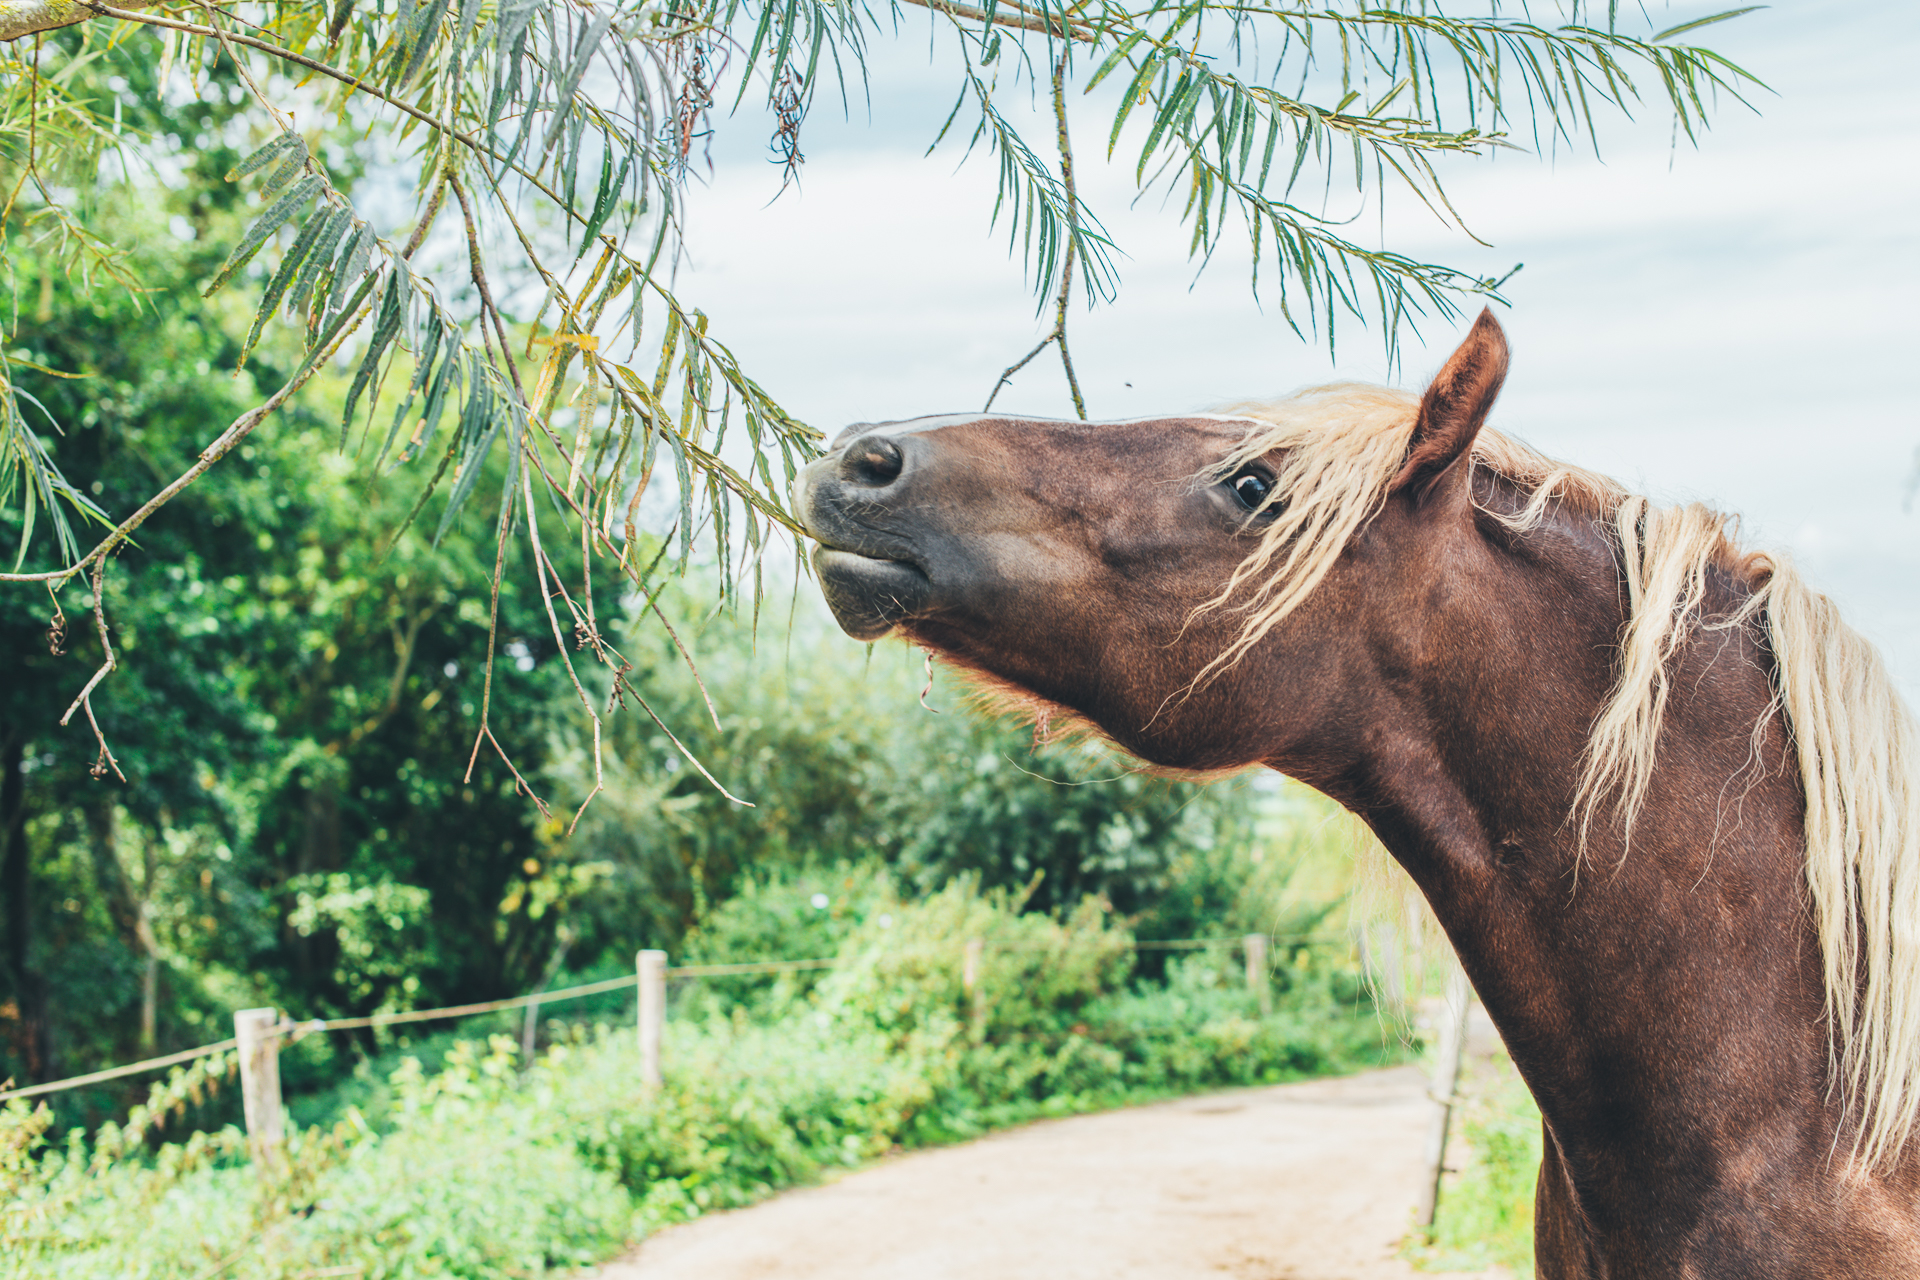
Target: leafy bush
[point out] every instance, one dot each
(786, 913)
(490, 1167)
(478, 1175)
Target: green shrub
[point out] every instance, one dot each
(783, 914)
(477, 1177)
(488, 1167)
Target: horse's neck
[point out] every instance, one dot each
(1661, 996)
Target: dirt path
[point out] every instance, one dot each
(1312, 1181)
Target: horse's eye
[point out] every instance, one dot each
(1251, 487)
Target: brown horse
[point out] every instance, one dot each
(1660, 798)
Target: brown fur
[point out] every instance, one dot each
(1440, 681)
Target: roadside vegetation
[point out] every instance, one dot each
(1486, 1202)
(455, 1157)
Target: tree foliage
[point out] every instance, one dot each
(553, 137)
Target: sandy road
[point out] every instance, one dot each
(1311, 1181)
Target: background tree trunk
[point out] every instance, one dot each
(130, 908)
(29, 986)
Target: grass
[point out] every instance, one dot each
(1485, 1214)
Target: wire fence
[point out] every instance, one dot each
(293, 1029)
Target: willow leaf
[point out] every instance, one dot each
(266, 155)
(319, 259)
(605, 201)
(356, 254)
(337, 322)
(425, 351)
(480, 427)
(1708, 21)
(563, 88)
(445, 383)
(289, 268)
(268, 223)
(423, 37)
(386, 327)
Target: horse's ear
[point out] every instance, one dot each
(1451, 412)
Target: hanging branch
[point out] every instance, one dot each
(1059, 331)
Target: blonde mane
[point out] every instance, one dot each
(1854, 737)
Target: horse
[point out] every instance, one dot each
(1660, 798)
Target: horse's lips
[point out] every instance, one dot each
(869, 596)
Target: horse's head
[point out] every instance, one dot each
(1092, 566)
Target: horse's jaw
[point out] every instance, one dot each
(869, 596)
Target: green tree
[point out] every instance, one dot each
(289, 751)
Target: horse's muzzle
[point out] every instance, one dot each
(868, 572)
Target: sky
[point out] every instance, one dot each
(1730, 324)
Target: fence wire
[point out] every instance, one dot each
(295, 1030)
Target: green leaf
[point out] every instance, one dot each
(445, 382)
(604, 202)
(267, 154)
(336, 322)
(1698, 23)
(319, 259)
(268, 223)
(293, 163)
(289, 267)
(569, 80)
(356, 254)
(386, 326)
(423, 28)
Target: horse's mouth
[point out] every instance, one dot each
(869, 595)
(871, 575)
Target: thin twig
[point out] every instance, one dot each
(1059, 332)
(541, 565)
(674, 738)
(419, 235)
(485, 731)
(478, 270)
(105, 761)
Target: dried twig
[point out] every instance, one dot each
(541, 567)
(105, 761)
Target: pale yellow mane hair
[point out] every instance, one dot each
(1340, 447)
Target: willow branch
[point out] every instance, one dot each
(1017, 16)
(1059, 331)
(221, 446)
(24, 17)
(105, 760)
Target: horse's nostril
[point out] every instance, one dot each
(872, 460)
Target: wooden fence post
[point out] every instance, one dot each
(1257, 975)
(652, 969)
(1446, 1080)
(257, 1031)
(970, 982)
